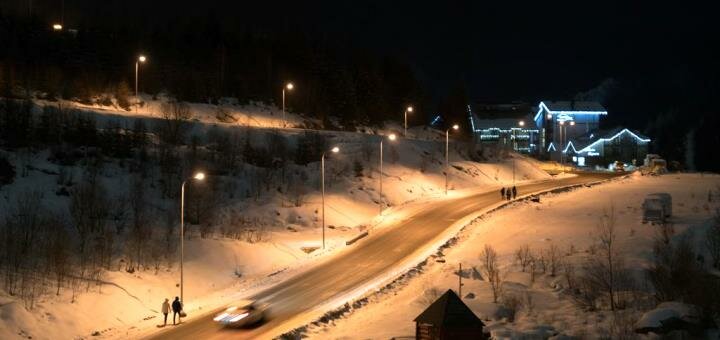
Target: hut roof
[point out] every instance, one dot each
(449, 310)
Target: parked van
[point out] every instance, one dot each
(666, 200)
(653, 210)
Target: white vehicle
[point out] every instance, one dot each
(654, 165)
(666, 200)
(241, 313)
(653, 211)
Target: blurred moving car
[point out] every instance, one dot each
(242, 313)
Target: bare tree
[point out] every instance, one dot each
(58, 252)
(603, 271)
(491, 269)
(513, 303)
(712, 240)
(568, 272)
(175, 116)
(533, 267)
(523, 256)
(553, 259)
(140, 232)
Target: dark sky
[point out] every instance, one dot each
(501, 50)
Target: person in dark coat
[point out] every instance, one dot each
(177, 308)
(508, 194)
(514, 192)
(502, 193)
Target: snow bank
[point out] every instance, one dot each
(566, 220)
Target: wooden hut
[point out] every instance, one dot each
(448, 318)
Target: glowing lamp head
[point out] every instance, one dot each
(142, 58)
(409, 109)
(522, 123)
(199, 176)
(562, 122)
(57, 27)
(572, 123)
(455, 127)
(392, 136)
(549, 116)
(335, 149)
(289, 86)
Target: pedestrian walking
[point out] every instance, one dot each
(514, 192)
(508, 194)
(165, 310)
(177, 308)
(502, 193)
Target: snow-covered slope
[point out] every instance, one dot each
(288, 224)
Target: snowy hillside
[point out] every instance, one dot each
(255, 220)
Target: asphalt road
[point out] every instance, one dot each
(360, 263)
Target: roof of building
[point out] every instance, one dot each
(449, 310)
(588, 139)
(505, 123)
(569, 106)
(500, 110)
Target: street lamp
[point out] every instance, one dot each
(563, 137)
(289, 87)
(140, 59)
(199, 176)
(322, 179)
(521, 124)
(409, 109)
(447, 144)
(391, 137)
(57, 27)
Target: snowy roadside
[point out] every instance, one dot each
(218, 269)
(414, 263)
(389, 312)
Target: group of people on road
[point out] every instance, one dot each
(176, 309)
(508, 193)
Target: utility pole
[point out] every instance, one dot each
(460, 284)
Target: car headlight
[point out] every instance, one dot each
(221, 316)
(239, 317)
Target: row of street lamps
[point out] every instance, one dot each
(289, 86)
(141, 59)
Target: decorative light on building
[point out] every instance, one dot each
(602, 140)
(542, 107)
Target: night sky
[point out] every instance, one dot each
(500, 51)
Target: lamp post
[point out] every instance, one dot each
(521, 124)
(57, 27)
(289, 87)
(447, 148)
(140, 59)
(391, 137)
(408, 109)
(563, 137)
(322, 180)
(198, 177)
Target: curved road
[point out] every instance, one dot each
(359, 264)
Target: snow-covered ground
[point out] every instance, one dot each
(256, 114)
(218, 269)
(566, 220)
